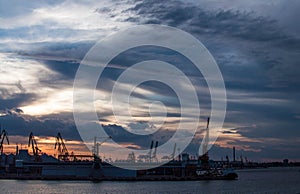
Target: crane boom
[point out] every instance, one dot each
(61, 147)
(3, 136)
(34, 146)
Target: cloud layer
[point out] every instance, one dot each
(256, 45)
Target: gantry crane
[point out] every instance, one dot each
(61, 148)
(3, 136)
(97, 144)
(154, 152)
(204, 158)
(35, 149)
(172, 157)
(150, 152)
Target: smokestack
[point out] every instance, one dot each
(207, 122)
(151, 145)
(156, 144)
(234, 154)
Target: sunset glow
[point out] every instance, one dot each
(256, 49)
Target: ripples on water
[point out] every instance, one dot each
(271, 180)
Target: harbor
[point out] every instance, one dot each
(32, 164)
(266, 180)
(69, 166)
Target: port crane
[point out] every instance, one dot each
(61, 148)
(153, 156)
(35, 149)
(204, 158)
(97, 144)
(173, 153)
(171, 157)
(131, 157)
(63, 153)
(150, 152)
(3, 136)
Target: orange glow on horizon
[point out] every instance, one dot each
(45, 144)
(227, 141)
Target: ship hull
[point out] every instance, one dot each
(108, 172)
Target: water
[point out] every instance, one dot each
(271, 180)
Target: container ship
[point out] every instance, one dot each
(65, 166)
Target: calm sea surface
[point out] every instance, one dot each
(271, 180)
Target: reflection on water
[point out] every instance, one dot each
(271, 180)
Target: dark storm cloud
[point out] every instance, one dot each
(63, 58)
(198, 20)
(66, 69)
(265, 150)
(15, 100)
(123, 136)
(164, 93)
(264, 120)
(282, 129)
(143, 53)
(258, 59)
(17, 124)
(253, 52)
(286, 12)
(262, 38)
(50, 125)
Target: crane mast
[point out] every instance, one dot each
(97, 144)
(150, 152)
(173, 153)
(206, 140)
(3, 136)
(154, 152)
(204, 158)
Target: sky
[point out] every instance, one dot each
(255, 43)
